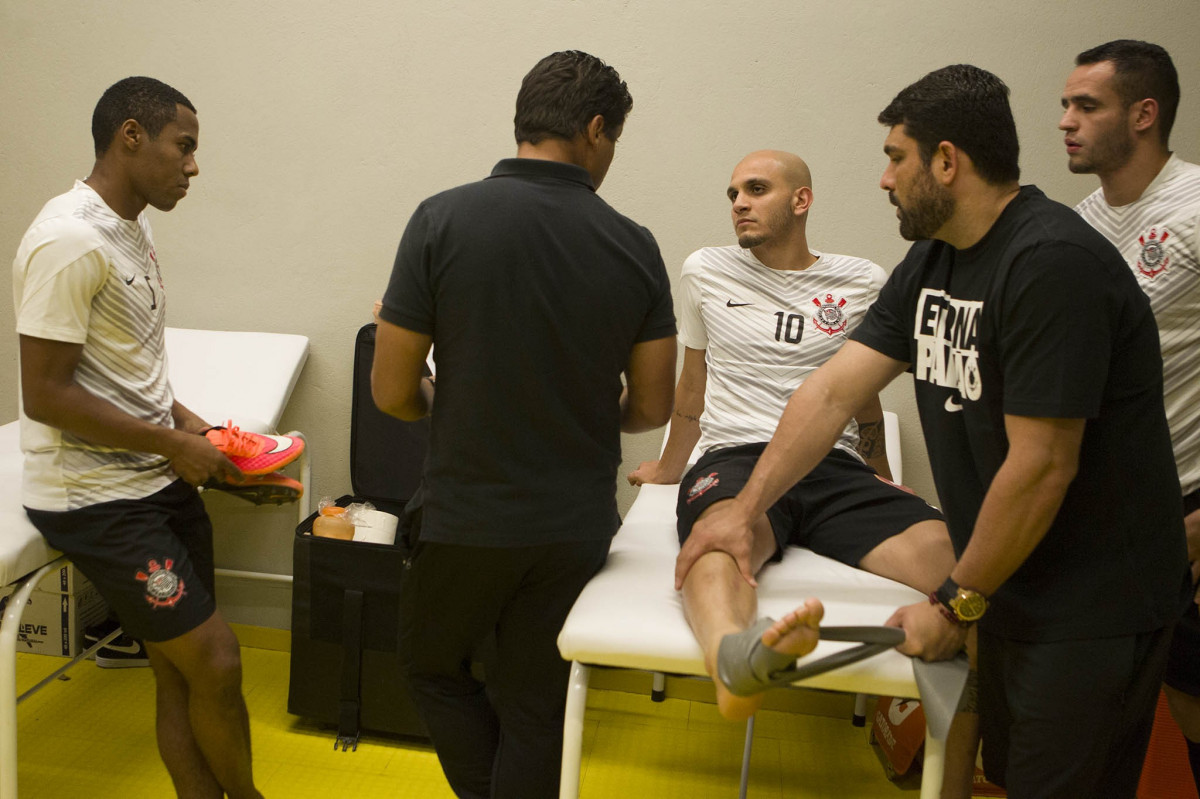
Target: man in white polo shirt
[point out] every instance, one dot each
(757, 318)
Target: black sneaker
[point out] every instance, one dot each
(122, 652)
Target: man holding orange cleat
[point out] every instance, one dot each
(111, 458)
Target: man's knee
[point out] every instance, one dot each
(762, 549)
(223, 670)
(208, 657)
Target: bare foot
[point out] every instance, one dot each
(795, 634)
(736, 708)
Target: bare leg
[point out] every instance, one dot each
(209, 662)
(962, 742)
(176, 745)
(921, 557)
(717, 602)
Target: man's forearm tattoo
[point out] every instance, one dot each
(870, 439)
(688, 416)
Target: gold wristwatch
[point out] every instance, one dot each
(961, 605)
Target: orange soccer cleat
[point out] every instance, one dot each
(255, 453)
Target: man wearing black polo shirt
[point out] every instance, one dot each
(539, 298)
(1038, 382)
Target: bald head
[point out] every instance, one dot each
(771, 192)
(788, 168)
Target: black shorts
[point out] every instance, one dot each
(1183, 667)
(1069, 718)
(842, 509)
(151, 558)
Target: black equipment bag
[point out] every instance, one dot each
(345, 594)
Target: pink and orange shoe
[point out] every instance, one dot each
(255, 453)
(262, 489)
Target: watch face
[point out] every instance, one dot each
(969, 605)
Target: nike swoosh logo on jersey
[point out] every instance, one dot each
(129, 280)
(732, 304)
(953, 405)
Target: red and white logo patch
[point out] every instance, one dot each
(701, 485)
(829, 317)
(1153, 259)
(164, 588)
(157, 272)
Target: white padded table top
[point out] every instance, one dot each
(246, 377)
(630, 616)
(22, 548)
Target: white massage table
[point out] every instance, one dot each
(246, 377)
(630, 617)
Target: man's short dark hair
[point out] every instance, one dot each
(148, 101)
(966, 106)
(1141, 70)
(562, 93)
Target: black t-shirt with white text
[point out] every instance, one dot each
(1042, 318)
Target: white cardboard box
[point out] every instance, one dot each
(53, 622)
(64, 580)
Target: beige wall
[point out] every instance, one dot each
(323, 125)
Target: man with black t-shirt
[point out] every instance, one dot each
(1036, 369)
(539, 298)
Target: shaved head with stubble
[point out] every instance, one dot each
(771, 192)
(790, 167)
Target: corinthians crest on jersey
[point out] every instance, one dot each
(830, 317)
(1153, 259)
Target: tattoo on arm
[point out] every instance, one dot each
(688, 416)
(870, 439)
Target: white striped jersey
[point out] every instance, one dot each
(86, 276)
(764, 330)
(1159, 236)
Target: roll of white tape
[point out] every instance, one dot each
(379, 527)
